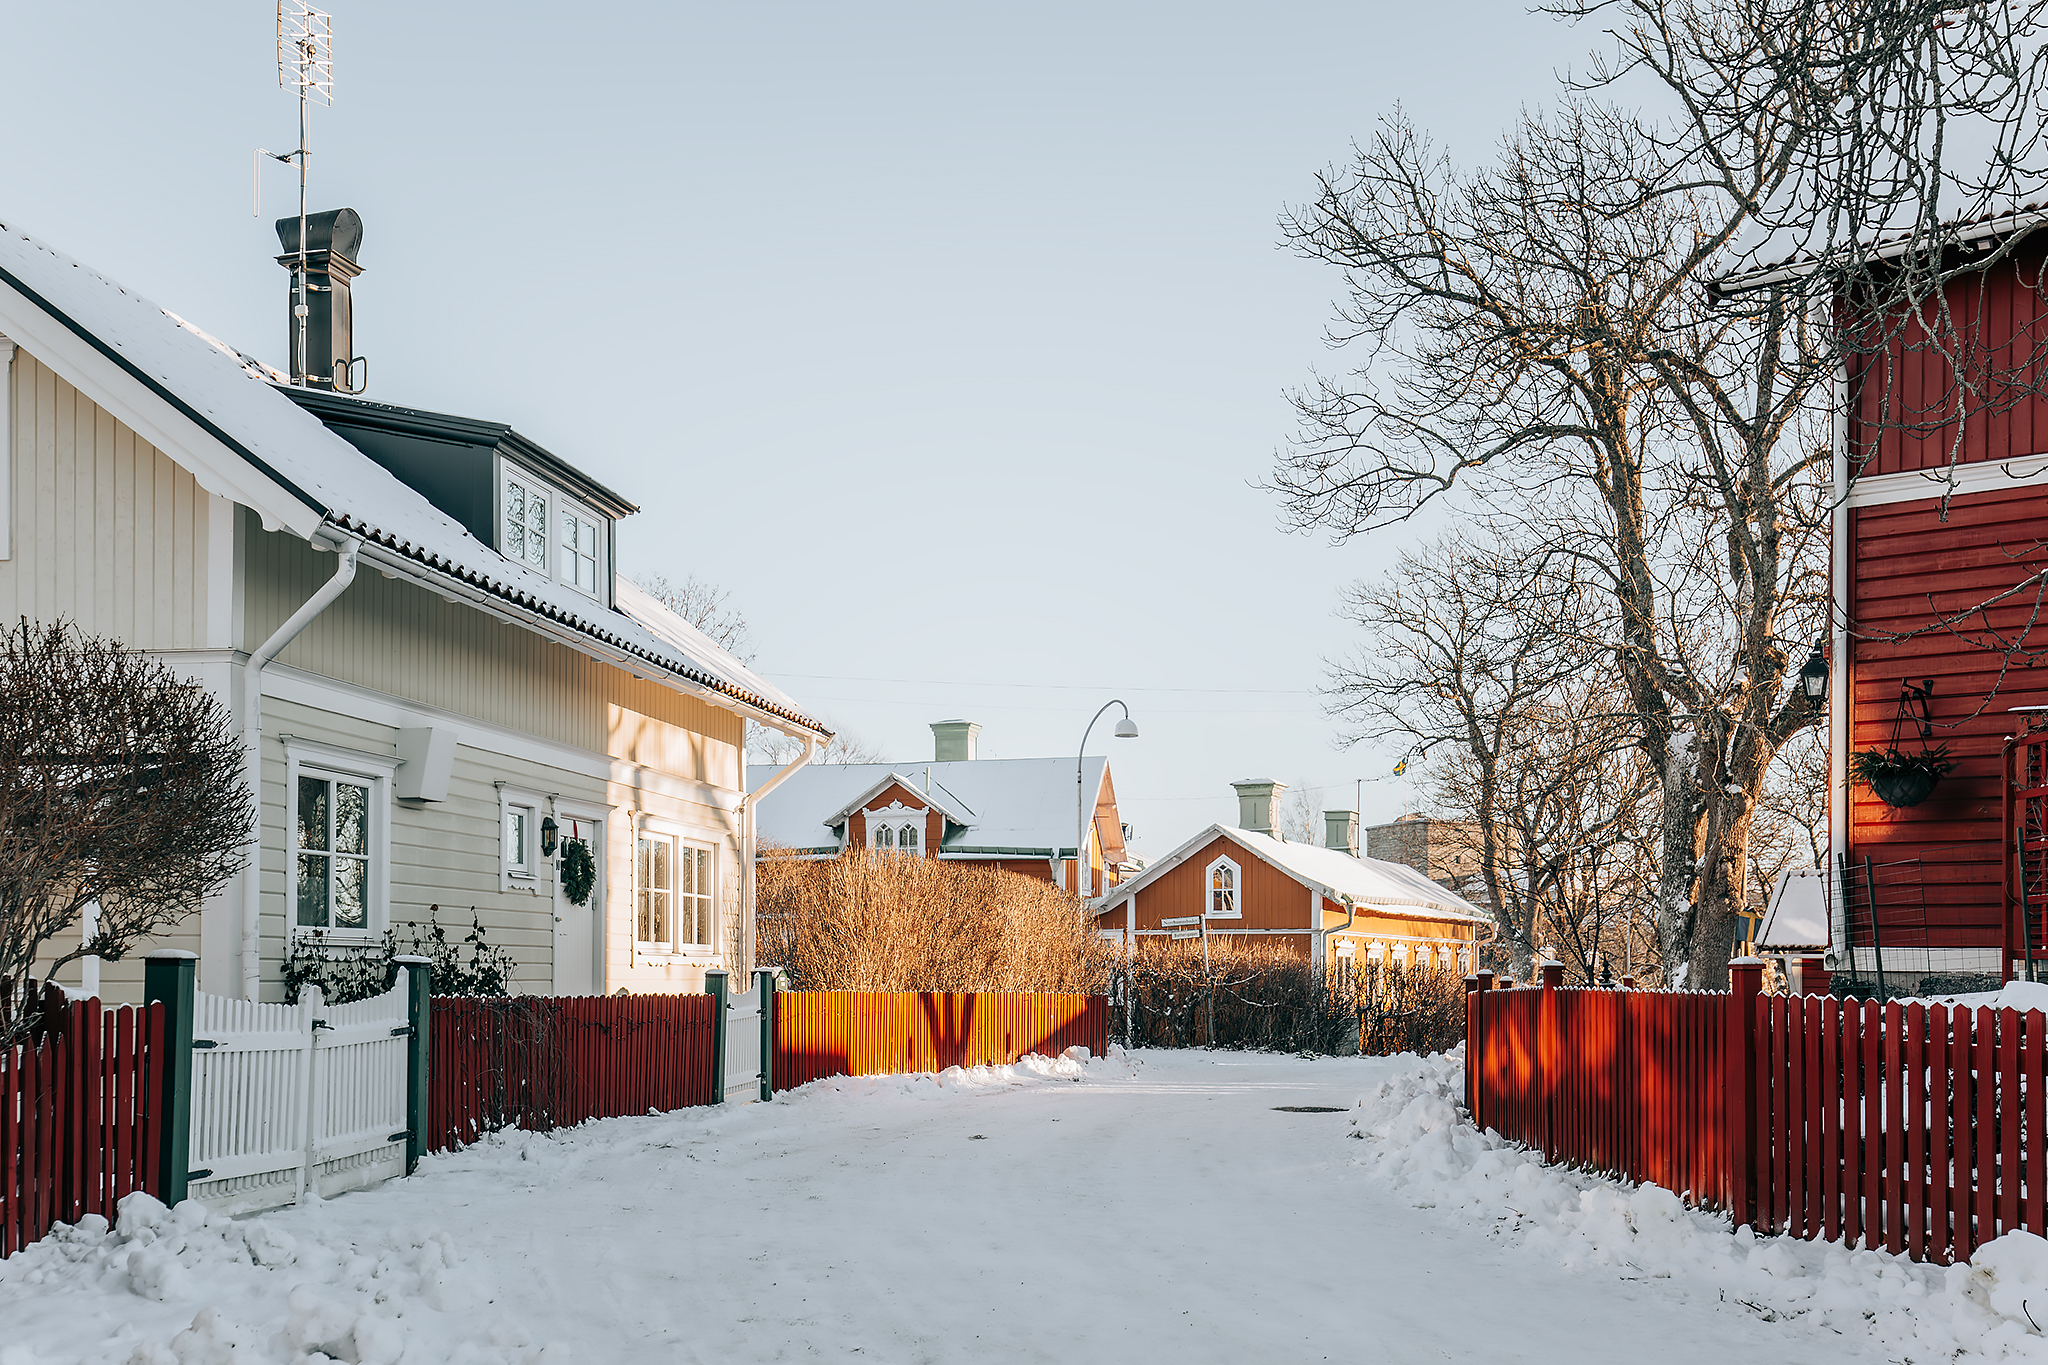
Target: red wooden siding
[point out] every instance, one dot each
(540, 1063)
(1913, 568)
(859, 1033)
(1905, 401)
(78, 1118)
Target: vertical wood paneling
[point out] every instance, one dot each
(108, 532)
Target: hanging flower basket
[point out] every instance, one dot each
(1900, 779)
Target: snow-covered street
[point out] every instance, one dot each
(1156, 1207)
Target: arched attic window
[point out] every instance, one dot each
(883, 836)
(1224, 883)
(906, 839)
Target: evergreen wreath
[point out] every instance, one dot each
(579, 871)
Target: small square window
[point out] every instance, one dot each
(582, 551)
(519, 833)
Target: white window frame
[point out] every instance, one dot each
(509, 472)
(1236, 910)
(703, 842)
(310, 758)
(893, 818)
(566, 507)
(519, 867)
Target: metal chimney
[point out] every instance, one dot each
(332, 240)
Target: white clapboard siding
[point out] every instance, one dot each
(292, 1099)
(743, 1045)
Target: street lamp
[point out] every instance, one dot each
(1813, 678)
(1125, 729)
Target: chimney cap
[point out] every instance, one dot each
(337, 230)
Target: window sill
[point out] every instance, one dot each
(657, 953)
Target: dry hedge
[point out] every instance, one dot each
(884, 922)
(1265, 996)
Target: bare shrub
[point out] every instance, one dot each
(869, 922)
(1265, 996)
(120, 783)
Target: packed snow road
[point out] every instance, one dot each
(1161, 1207)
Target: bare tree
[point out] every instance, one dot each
(1484, 663)
(707, 607)
(1301, 815)
(774, 747)
(121, 784)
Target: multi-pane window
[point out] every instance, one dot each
(526, 524)
(906, 839)
(580, 552)
(333, 853)
(519, 830)
(1223, 890)
(885, 836)
(676, 893)
(895, 838)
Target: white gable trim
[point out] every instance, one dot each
(220, 468)
(1878, 490)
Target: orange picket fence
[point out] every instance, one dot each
(862, 1033)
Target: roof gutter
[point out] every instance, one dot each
(349, 548)
(450, 586)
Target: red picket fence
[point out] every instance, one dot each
(541, 1063)
(79, 1110)
(862, 1033)
(1915, 1128)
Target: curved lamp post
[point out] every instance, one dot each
(1125, 729)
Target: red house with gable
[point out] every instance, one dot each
(1940, 542)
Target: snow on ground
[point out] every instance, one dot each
(1154, 1206)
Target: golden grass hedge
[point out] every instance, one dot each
(885, 922)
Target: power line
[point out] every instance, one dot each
(1056, 687)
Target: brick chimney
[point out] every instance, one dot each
(1258, 800)
(1340, 831)
(953, 740)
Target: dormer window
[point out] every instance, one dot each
(540, 528)
(526, 523)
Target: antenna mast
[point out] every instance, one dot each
(305, 59)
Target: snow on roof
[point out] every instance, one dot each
(1370, 882)
(1013, 804)
(193, 396)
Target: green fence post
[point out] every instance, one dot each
(765, 981)
(169, 977)
(715, 987)
(419, 1018)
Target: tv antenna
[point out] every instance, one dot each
(305, 61)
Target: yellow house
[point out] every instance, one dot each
(416, 621)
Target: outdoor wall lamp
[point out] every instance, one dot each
(548, 830)
(1813, 678)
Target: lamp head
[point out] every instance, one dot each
(1813, 678)
(1127, 728)
(548, 831)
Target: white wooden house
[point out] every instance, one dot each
(415, 618)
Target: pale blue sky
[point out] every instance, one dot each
(950, 337)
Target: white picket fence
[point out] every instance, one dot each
(743, 1045)
(292, 1100)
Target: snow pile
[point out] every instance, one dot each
(2015, 995)
(1418, 1141)
(1074, 1065)
(221, 1284)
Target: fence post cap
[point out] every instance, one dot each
(1553, 974)
(413, 960)
(170, 955)
(1747, 962)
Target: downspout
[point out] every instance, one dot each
(747, 849)
(252, 752)
(1350, 916)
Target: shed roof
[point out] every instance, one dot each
(216, 412)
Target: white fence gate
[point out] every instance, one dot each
(743, 1044)
(292, 1099)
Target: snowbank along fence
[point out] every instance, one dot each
(1912, 1127)
(861, 1033)
(80, 1116)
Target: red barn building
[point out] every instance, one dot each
(1938, 567)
